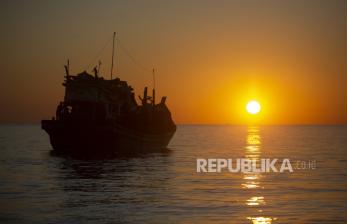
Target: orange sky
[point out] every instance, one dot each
(211, 56)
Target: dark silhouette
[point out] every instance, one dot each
(100, 115)
(59, 111)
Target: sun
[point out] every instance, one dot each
(253, 107)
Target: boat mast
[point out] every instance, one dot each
(153, 91)
(67, 69)
(114, 35)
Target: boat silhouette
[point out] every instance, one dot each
(99, 115)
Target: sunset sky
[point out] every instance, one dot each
(211, 57)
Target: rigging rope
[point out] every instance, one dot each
(141, 66)
(124, 50)
(99, 53)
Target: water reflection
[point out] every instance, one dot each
(252, 151)
(255, 201)
(261, 220)
(252, 179)
(114, 182)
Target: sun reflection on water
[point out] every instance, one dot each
(261, 220)
(250, 185)
(255, 201)
(252, 180)
(253, 137)
(252, 151)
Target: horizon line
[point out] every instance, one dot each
(210, 124)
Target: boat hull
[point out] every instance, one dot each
(91, 138)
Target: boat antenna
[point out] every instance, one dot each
(153, 91)
(99, 66)
(67, 69)
(153, 73)
(114, 36)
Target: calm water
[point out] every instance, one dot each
(38, 187)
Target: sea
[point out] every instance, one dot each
(38, 186)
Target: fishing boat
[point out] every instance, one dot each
(101, 115)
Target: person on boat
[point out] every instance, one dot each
(58, 112)
(65, 112)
